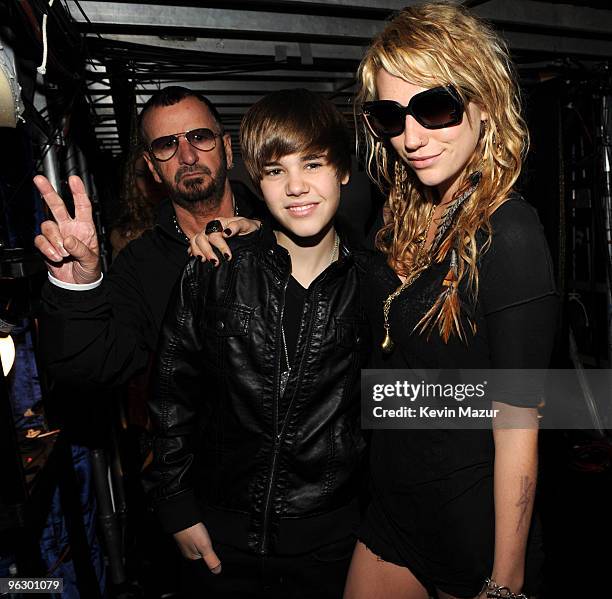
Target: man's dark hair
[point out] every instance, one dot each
(173, 95)
(294, 121)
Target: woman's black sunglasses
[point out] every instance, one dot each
(434, 108)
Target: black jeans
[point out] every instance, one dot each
(319, 574)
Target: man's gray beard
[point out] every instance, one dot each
(198, 193)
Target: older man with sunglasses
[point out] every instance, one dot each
(99, 331)
(102, 330)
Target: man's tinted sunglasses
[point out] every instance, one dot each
(434, 108)
(164, 148)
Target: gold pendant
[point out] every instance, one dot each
(387, 345)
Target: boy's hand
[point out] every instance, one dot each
(69, 245)
(194, 543)
(201, 244)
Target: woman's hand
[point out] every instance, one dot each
(505, 591)
(202, 244)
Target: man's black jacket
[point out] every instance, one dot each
(271, 473)
(106, 335)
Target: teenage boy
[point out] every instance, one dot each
(257, 458)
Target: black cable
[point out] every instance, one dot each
(58, 25)
(37, 165)
(78, 5)
(33, 170)
(162, 65)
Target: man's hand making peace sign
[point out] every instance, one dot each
(69, 245)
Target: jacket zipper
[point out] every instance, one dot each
(279, 434)
(275, 405)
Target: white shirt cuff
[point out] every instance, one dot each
(75, 286)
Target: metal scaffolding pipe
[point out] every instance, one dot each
(85, 174)
(90, 188)
(605, 135)
(49, 145)
(72, 167)
(107, 517)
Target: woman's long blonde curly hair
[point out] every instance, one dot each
(429, 45)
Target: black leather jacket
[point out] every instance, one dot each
(264, 472)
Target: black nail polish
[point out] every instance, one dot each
(202, 259)
(227, 231)
(227, 256)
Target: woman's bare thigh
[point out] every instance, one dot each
(370, 577)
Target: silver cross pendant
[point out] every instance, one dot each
(284, 377)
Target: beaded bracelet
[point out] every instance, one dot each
(495, 591)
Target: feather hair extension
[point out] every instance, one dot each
(445, 313)
(447, 219)
(447, 309)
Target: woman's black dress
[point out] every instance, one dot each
(432, 490)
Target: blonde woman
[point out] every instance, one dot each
(467, 282)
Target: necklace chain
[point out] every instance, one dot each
(182, 233)
(178, 229)
(284, 377)
(420, 264)
(416, 271)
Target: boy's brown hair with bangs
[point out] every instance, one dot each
(294, 121)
